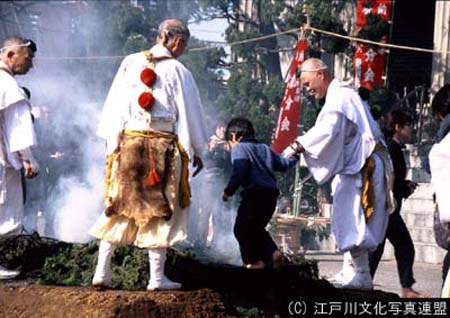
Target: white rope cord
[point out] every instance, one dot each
(259, 38)
(394, 46)
(255, 39)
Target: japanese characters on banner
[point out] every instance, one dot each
(288, 120)
(370, 62)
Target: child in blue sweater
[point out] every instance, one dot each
(254, 164)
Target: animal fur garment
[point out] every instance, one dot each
(139, 177)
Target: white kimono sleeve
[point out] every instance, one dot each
(324, 146)
(20, 132)
(191, 118)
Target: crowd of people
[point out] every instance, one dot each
(154, 127)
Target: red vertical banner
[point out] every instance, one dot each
(288, 120)
(369, 66)
(364, 7)
(370, 62)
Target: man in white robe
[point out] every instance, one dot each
(440, 173)
(178, 111)
(338, 146)
(17, 136)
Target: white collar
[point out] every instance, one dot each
(159, 50)
(5, 68)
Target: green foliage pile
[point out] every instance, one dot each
(51, 262)
(75, 266)
(27, 252)
(130, 268)
(72, 265)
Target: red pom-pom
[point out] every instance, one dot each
(146, 100)
(148, 77)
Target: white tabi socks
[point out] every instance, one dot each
(362, 278)
(158, 281)
(7, 273)
(102, 276)
(347, 272)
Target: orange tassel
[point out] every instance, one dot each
(152, 178)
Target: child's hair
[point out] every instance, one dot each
(241, 127)
(401, 118)
(395, 117)
(441, 101)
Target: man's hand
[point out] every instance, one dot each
(288, 152)
(30, 173)
(197, 162)
(212, 144)
(292, 149)
(224, 197)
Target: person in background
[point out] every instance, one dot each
(254, 164)
(153, 120)
(217, 170)
(17, 136)
(346, 145)
(397, 232)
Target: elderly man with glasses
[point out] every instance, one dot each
(17, 136)
(153, 124)
(346, 145)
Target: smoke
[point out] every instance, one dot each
(67, 96)
(68, 190)
(76, 207)
(212, 220)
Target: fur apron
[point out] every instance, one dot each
(146, 191)
(136, 187)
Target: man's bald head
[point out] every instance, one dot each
(315, 77)
(313, 65)
(174, 35)
(17, 43)
(17, 53)
(172, 28)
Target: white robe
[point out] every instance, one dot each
(177, 105)
(343, 137)
(177, 102)
(18, 137)
(440, 174)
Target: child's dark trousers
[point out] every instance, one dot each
(254, 213)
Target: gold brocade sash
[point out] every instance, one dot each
(367, 191)
(184, 191)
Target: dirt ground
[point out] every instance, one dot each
(232, 293)
(80, 302)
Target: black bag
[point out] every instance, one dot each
(441, 231)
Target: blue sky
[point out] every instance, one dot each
(210, 30)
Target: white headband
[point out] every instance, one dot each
(313, 69)
(28, 43)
